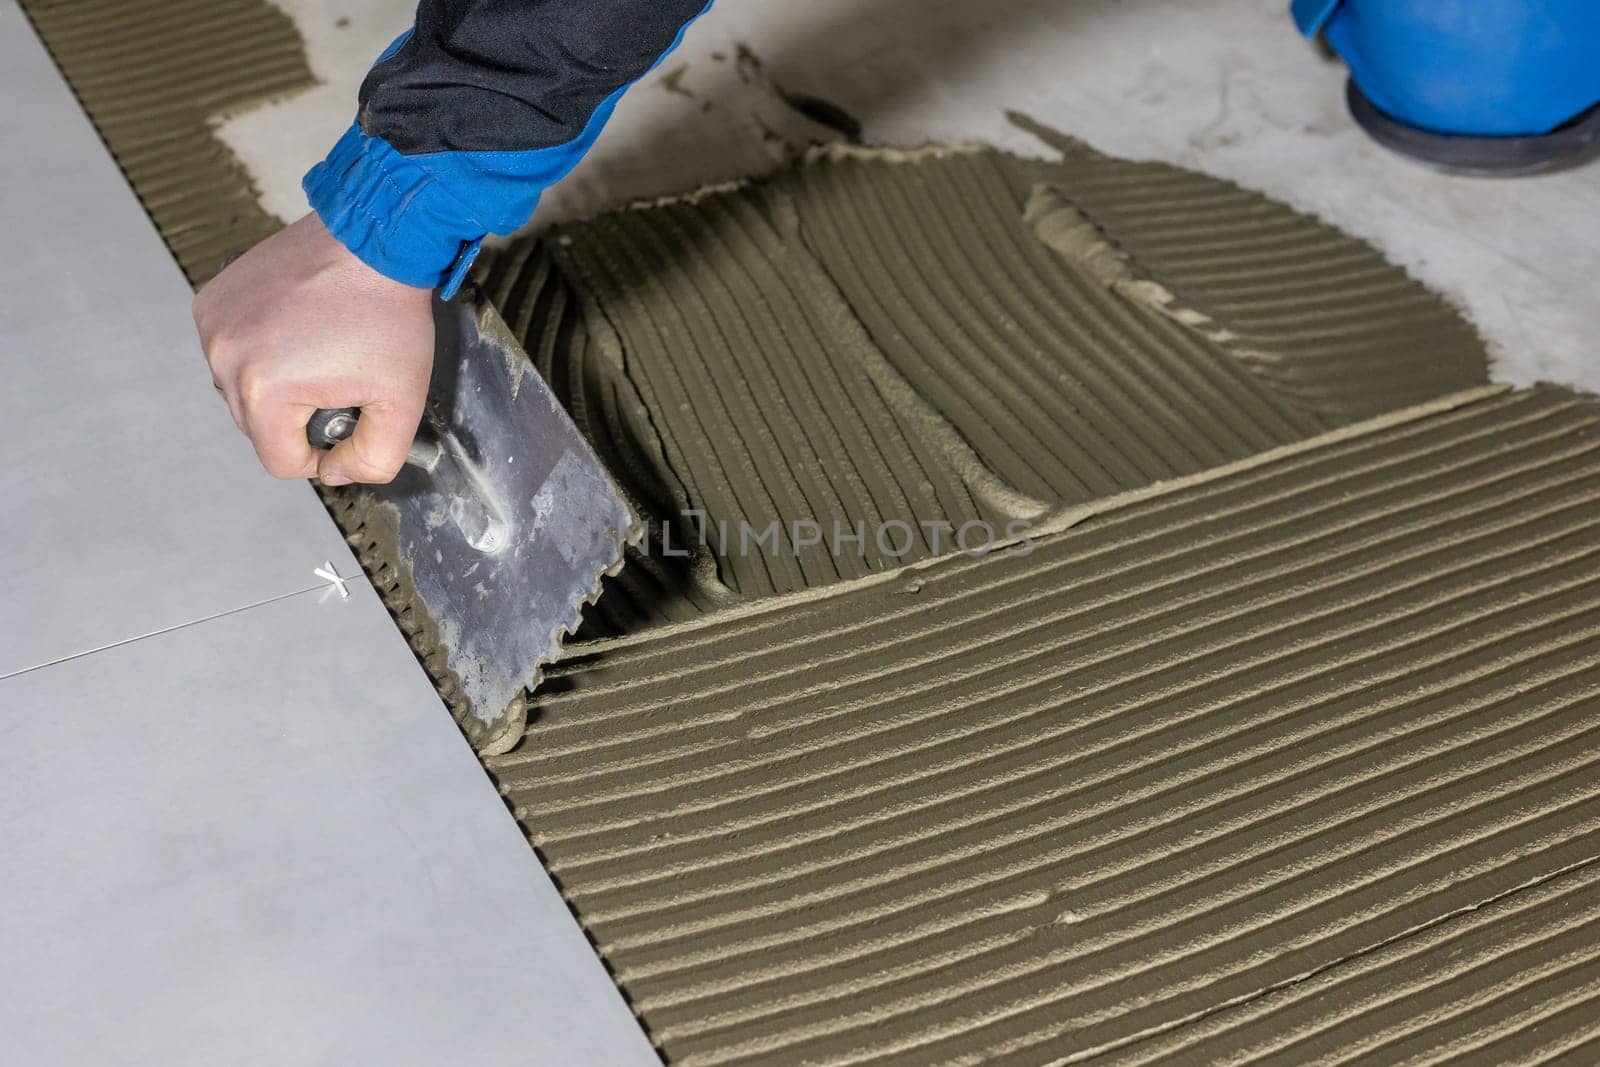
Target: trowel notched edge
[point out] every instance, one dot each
(499, 616)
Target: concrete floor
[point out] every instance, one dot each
(1226, 87)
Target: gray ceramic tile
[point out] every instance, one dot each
(128, 501)
(261, 840)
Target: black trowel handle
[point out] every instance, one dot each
(328, 426)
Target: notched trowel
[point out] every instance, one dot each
(503, 517)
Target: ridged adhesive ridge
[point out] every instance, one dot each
(877, 337)
(1323, 315)
(153, 76)
(1512, 981)
(1051, 805)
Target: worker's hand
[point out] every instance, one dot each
(298, 323)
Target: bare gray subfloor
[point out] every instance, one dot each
(1226, 87)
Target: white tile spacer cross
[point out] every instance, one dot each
(331, 576)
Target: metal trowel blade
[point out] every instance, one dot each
(511, 456)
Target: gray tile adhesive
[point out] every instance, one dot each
(949, 334)
(1270, 737)
(1198, 745)
(152, 74)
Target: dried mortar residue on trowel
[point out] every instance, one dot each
(1272, 734)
